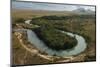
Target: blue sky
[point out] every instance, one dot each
(48, 6)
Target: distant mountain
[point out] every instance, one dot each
(83, 11)
(79, 10)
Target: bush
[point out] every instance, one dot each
(20, 20)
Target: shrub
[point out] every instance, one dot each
(20, 20)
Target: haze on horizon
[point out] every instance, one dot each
(48, 6)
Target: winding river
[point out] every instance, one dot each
(33, 39)
(80, 47)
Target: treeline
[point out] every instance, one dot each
(54, 17)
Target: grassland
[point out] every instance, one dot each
(29, 14)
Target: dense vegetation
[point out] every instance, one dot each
(83, 25)
(55, 39)
(66, 17)
(74, 23)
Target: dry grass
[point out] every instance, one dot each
(28, 14)
(22, 57)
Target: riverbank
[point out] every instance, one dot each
(45, 58)
(52, 59)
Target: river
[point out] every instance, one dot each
(80, 47)
(33, 39)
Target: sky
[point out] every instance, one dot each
(48, 6)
